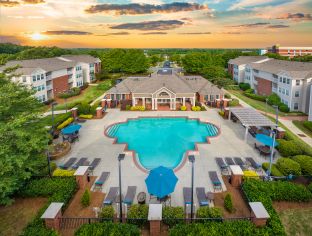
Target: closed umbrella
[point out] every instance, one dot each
(161, 181)
(266, 140)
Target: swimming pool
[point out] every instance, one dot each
(161, 141)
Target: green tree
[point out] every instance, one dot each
(22, 138)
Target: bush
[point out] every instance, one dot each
(108, 228)
(137, 108)
(196, 108)
(107, 212)
(128, 107)
(62, 173)
(84, 108)
(274, 171)
(228, 203)
(209, 212)
(234, 102)
(305, 163)
(255, 96)
(82, 116)
(71, 93)
(288, 166)
(310, 187)
(221, 113)
(283, 108)
(227, 95)
(244, 86)
(288, 148)
(65, 123)
(183, 108)
(202, 108)
(250, 174)
(86, 198)
(274, 99)
(138, 211)
(308, 125)
(171, 214)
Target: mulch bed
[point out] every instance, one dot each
(282, 206)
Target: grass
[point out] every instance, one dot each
(299, 125)
(297, 221)
(261, 105)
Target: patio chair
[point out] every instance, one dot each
(221, 163)
(201, 197)
(229, 161)
(131, 191)
(94, 163)
(68, 164)
(215, 180)
(111, 196)
(239, 161)
(253, 163)
(101, 180)
(82, 161)
(187, 195)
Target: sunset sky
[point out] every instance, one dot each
(157, 23)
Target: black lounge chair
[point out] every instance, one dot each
(201, 197)
(221, 163)
(80, 162)
(68, 164)
(131, 191)
(100, 181)
(111, 196)
(215, 180)
(94, 163)
(239, 161)
(253, 163)
(187, 195)
(229, 161)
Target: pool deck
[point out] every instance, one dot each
(94, 144)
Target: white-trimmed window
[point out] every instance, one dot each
(24, 79)
(287, 92)
(297, 82)
(297, 94)
(38, 77)
(34, 78)
(284, 80)
(296, 106)
(288, 81)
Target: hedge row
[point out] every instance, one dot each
(305, 163)
(308, 125)
(288, 166)
(274, 171)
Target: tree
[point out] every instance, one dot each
(154, 59)
(22, 138)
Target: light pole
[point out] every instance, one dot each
(273, 143)
(192, 160)
(65, 100)
(120, 158)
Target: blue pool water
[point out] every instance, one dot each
(161, 141)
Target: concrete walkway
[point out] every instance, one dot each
(49, 113)
(284, 120)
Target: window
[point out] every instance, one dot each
(38, 77)
(24, 79)
(118, 97)
(275, 76)
(78, 68)
(42, 77)
(284, 80)
(217, 96)
(34, 78)
(297, 94)
(42, 87)
(123, 96)
(211, 98)
(39, 88)
(281, 79)
(256, 71)
(283, 91)
(297, 82)
(206, 97)
(296, 106)
(279, 90)
(113, 96)
(287, 92)
(288, 81)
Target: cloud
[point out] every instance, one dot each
(11, 39)
(33, 1)
(189, 33)
(251, 25)
(139, 9)
(65, 32)
(295, 16)
(278, 26)
(229, 32)
(245, 4)
(116, 33)
(7, 3)
(153, 33)
(150, 25)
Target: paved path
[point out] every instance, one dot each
(284, 120)
(55, 113)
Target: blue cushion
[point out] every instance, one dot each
(204, 203)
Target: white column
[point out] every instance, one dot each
(133, 101)
(152, 103)
(183, 101)
(229, 114)
(246, 133)
(143, 99)
(156, 105)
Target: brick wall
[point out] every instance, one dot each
(231, 69)
(264, 87)
(60, 84)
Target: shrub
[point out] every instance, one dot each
(107, 212)
(308, 125)
(108, 228)
(128, 107)
(82, 116)
(255, 96)
(232, 87)
(84, 108)
(227, 95)
(137, 108)
(138, 211)
(234, 102)
(274, 170)
(228, 203)
(202, 108)
(250, 174)
(71, 93)
(283, 108)
(62, 173)
(221, 113)
(288, 166)
(244, 86)
(305, 163)
(274, 99)
(65, 123)
(196, 108)
(86, 198)
(209, 212)
(61, 118)
(288, 148)
(183, 108)
(171, 214)
(310, 187)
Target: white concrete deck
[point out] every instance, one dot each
(93, 144)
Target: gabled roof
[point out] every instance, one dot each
(242, 60)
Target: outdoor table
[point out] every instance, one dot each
(210, 196)
(141, 198)
(264, 150)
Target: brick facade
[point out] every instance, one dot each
(264, 86)
(60, 84)
(231, 70)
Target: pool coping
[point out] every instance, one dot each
(186, 154)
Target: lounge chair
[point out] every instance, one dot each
(68, 164)
(229, 161)
(94, 163)
(111, 196)
(239, 161)
(100, 181)
(80, 162)
(131, 191)
(215, 180)
(253, 163)
(221, 163)
(187, 195)
(201, 197)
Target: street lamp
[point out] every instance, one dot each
(192, 160)
(120, 158)
(273, 143)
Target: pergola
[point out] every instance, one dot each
(250, 117)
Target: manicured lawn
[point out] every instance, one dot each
(261, 105)
(297, 221)
(300, 126)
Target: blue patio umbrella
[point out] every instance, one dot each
(161, 181)
(266, 140)
(71, 129)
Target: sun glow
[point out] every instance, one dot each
(37, 36)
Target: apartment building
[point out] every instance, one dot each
(236, 67)
(290, 80)
(290, 51)
(51, 76)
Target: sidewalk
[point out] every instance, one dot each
(284, 120)
(55, 112)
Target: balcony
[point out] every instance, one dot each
(49, 87)
(48, 77)
(70, 80)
